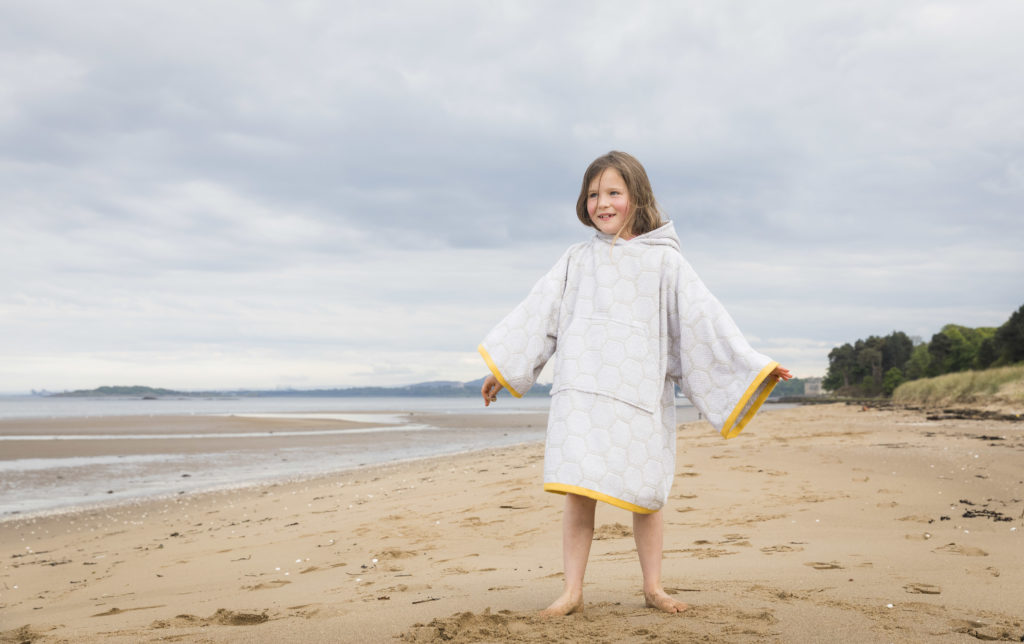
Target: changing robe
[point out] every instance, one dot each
(626, 322)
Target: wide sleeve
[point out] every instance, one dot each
(709, 359)
(518, 347)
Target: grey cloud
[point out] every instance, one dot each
(257, 175)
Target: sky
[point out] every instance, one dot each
(219, 195)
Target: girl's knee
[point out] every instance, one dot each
(580, 502)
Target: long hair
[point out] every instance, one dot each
(644, 214)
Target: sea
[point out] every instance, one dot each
(42, 485)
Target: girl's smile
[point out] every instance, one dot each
(608, 203)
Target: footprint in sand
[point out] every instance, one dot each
(916, 518)
(222, 617)
(476, 522)
(1005, 630)
(612, 531)
(924, 536)
(304, 610)
(957, 549)
(824, 565)
(770, 550)
(400, 588)
(22, 634)
(922, 589)
(277, 583)
(118, 611)
(753, 469)
(702, 553)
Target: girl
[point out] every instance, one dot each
(630, 321)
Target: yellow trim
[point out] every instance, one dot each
(728, 430)
(562, 488)
(497, 374)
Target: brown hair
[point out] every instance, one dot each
(644, 214)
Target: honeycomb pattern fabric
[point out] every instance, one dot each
(626, 322)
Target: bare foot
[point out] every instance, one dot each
(567, 604)
(663, 601)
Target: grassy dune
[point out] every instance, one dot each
(1002, 388)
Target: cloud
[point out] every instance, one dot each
(317, 190)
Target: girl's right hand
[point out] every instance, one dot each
(490, 389)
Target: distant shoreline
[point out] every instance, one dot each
(424, 389)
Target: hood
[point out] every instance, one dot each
(664, 235)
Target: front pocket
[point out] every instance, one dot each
(610, 358)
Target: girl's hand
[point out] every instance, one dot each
(490, 390)
(780, 373)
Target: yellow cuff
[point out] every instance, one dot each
(497, 374)
(734, 426)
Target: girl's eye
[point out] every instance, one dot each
(592, 195)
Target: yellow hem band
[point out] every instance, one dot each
(732, 426)
(497, 374)
(562, 488)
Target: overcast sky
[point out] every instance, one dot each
(314, 194)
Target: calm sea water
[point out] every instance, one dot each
(30, 486)
(53, 407)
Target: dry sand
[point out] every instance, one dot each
(818, 524)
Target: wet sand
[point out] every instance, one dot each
(276, 431)
(818, 524)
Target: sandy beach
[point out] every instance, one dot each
(818, 524)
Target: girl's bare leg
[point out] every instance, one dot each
(577, 535)
(648, 531)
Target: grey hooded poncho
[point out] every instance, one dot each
(626, 321)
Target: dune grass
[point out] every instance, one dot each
(999, 387)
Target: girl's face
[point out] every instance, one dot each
(608, 203)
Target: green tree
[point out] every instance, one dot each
(791, 387)
(868, 386)
(918, 366)
(1009, 339)
(842, 368)
(960, 357)
(896, 350)
(987, 354)
(870, 358)
(941, 349)
(893, 378)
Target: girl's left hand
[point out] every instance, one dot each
(780, 373)
(490, 389)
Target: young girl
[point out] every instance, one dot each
(627, 320)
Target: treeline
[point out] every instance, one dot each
(877, 365)
(791, 387)
(121, 391)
